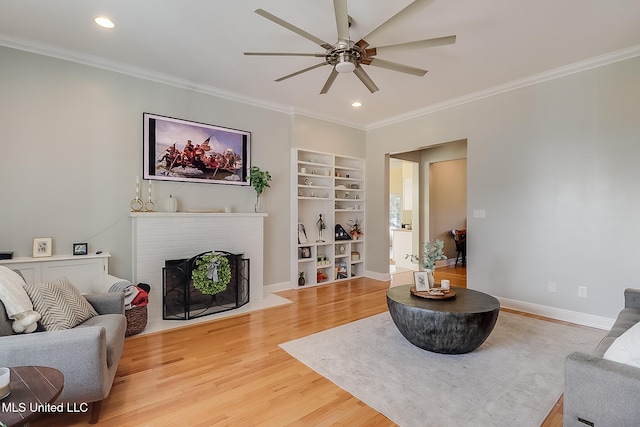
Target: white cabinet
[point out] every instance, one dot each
(81, 270)
(402, 244)
(332, 186)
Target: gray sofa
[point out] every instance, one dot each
(87, 355)
(599, 392)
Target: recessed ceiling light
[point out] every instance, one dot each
(357, 104)
(104, 22)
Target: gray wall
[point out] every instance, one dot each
(328, 137)
(554, 165)
(71, 138)
(74, 137)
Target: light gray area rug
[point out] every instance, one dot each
(513, 379)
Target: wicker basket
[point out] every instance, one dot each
(136, 320)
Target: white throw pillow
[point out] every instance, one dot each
(60, 303)
(626, 348)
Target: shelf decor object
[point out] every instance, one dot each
(80, 249)
(259, 181)
(137, 205)
(42, 246)
(170, 204)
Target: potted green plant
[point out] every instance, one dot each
(301, 279)
(431, 253)
(259, 181)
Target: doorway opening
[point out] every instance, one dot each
(404, 218)
(437, 189)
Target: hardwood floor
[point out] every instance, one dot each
(231, 371)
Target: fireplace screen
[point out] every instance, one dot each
(208, 283)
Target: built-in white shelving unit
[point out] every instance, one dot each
(332, 186)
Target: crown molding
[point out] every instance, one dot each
(94, 61)
(142, 73)
(598, 61)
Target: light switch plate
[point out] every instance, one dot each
(479, 213)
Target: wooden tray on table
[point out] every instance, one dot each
(435, 295)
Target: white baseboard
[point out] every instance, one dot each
(578, 318)
(276, 287)
(583, 319)
(383, 277)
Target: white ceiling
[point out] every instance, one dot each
(202, 42)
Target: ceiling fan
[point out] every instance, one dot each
(346, 56)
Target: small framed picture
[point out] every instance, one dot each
(421, 281)
(42, 246)
(80, 249)
(302, 233)
(304, 252)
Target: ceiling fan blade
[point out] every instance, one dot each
(381, 63)
(419, 44)
(301, 71)
(364, 78)
(293, 28)
(342, 21)
(329, 81)
(317, 55)
(414, 7)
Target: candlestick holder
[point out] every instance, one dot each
(149, 206)
(137, 205)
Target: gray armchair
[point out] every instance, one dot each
(87, 355)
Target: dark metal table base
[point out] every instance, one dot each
(454, 326)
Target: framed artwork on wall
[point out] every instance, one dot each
(182, 150)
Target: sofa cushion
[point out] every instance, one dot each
(115, 326)
(60, 304)
(626, 348)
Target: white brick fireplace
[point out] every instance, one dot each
(158, 237)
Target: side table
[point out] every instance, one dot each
(33, 389)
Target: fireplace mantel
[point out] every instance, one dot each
(194, 214)
(161, 236)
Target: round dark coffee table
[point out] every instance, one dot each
(32, 387)
(450, 326)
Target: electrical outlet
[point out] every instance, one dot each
(551, 287)
(582, 291)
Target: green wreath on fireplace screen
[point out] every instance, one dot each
(212, 274)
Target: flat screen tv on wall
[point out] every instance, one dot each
(182, 150)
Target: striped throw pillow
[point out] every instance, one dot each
(61, 305)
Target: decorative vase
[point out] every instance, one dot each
(301, 281)
(171, 204)
(258, 207)
(430, 278)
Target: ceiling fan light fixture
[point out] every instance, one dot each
(345, 67)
